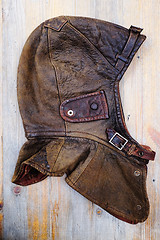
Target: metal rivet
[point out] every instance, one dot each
(70, 112)
(139, 207)
(141, 154)
(137, 173)
(94, 106)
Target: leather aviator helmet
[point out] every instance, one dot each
(68, 94)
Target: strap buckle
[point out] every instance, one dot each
(118, 141)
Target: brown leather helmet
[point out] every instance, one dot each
(68, 94)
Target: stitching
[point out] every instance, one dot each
(80, 174)
(104, 103)
(54, 28)
(96, 202)
(102, 99)
(84, 96)
(98, 138)
(35, 131)
(59, 152)
(85, 118)
(56, 77)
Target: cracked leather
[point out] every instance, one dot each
(68, 95)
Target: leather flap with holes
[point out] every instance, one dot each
(85, 108)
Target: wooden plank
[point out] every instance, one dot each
(51, 209)
(47, 214)
(1, 139)
(15, 205)
(89, 10)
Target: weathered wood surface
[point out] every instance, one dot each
(51, 209)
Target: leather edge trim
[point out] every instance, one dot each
(108, 209)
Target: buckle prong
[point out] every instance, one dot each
(120, 148)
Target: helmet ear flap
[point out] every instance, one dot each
(51, 157)
(109, 180)
(28, 168)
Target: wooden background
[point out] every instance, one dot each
(51, 209)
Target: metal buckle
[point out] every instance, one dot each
(120, 148)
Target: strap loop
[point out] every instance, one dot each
(122, 58)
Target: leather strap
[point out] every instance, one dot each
(85, 108)
(123, 144)
(122, 58)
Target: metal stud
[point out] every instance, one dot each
(94, 106)
(139, 207)
(140, 154)
(137, 173)
(70, 112)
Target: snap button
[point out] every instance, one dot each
(139, 207)
(70, 112)
(137, 173)
(94, 106)
(140, 154)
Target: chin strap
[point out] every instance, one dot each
(131, 149)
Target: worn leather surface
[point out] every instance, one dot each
(68, 94)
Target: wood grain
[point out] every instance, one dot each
(1, 140)
(51, 209)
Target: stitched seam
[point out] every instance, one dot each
(80, 97)
(101, 96)
(56, 77)
(107, 144)
(80, 174)
(32, 131)
(36, 165)
(104, 104)
(59, 152)
(89, 134)
(56, 29)
(85, 118)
